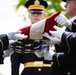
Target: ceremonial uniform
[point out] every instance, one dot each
(3, 46)
(3, 42)
(64, 63)
(33, 65)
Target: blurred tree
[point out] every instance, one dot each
(54, 5)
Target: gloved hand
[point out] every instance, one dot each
(12, 41)
(53, 40)
(40, 54)
(48, 55)
(11, 34)
(58, 33)
(16, 35)
(19, 36)
(62, 20)
(7, 53)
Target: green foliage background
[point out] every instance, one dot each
(54, 5)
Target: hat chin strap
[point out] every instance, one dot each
(41, 7)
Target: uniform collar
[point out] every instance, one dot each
(72, 19)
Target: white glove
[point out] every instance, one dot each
(62, 20)
(48, 55)
(16, 35)
(12, 41)
(58, 33)
(40, 53)
(19, 36)
(7, 53)
(11, 34)
(53, 40)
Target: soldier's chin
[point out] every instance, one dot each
(36, 20)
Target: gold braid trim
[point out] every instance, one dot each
(67, 43)
(2, 45)
(36, 7)
(57, 59)
(68, 49)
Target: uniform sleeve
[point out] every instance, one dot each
(67, 55)
(74, 26)
(4, 43)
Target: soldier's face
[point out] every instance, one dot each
(70, 8)
(35, 17)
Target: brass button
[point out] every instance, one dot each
(39, 69)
